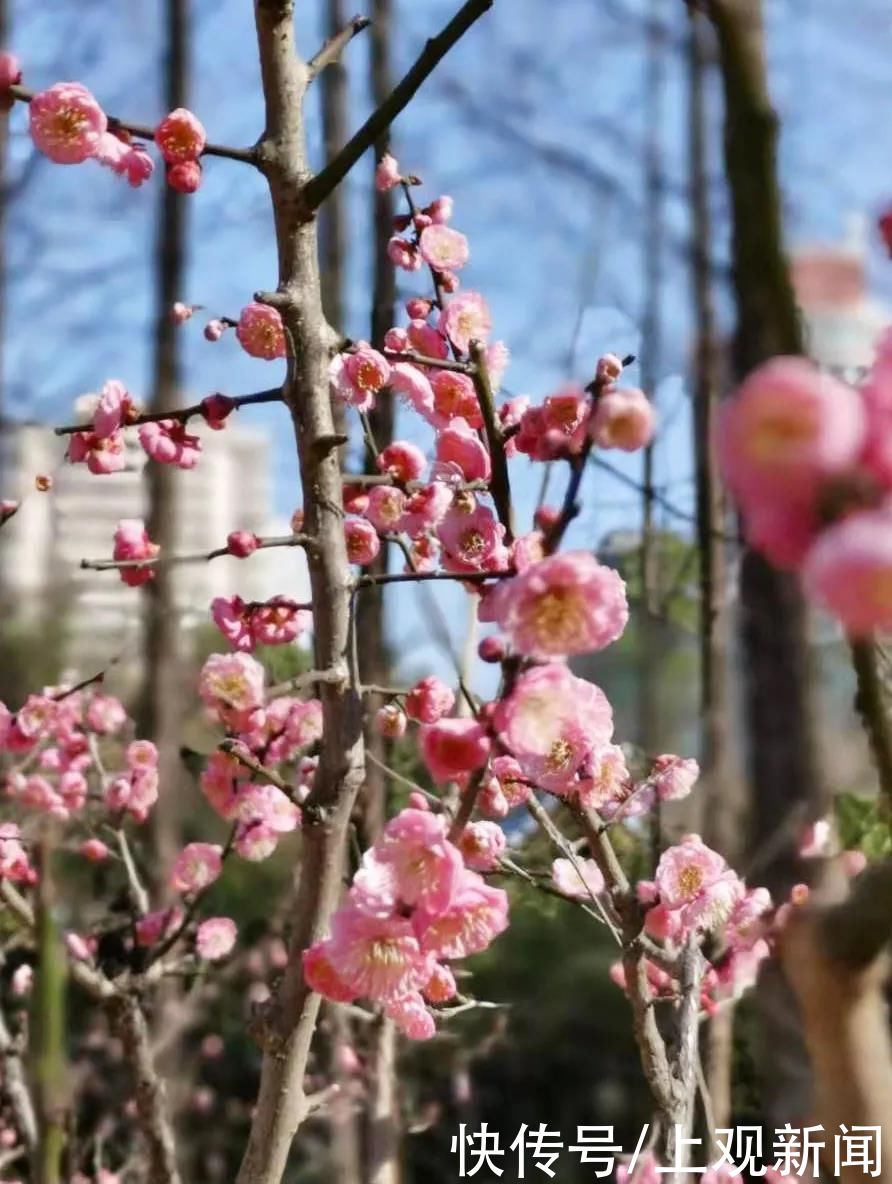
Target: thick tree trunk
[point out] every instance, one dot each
(282, 1103)
(382, 1136)
(162, 701)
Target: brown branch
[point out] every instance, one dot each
(290, 1021)
(182, 414)
(872, 706)
(245, 155)
(408, 355)
(418, 577)
(501, 484)
(15, 1086)
(130, 1026)
(237, 750)
(335, 46)
(287, 540)
(319, 187)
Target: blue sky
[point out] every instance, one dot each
(556, 240)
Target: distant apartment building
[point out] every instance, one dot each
(843, 322)
(42, 546)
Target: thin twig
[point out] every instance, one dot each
(182, 414)
(263, 544)
(319, 187)
(417, 577)
(501, 485)
(335, 46)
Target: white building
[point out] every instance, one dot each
(42, 546)
(843, 322)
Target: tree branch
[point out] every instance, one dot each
(287, 540)
(501, 484)
(319, 187)
(335, 46)
(245, 155)
(183, 414)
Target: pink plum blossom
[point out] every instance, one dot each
(66, 123)
(482, 845)
(112, 409)
(386, 504)
(477, 915)
(413, 387)
(466, 319)
(411, 1016)
(472, 541)
(624, 419)
(390, 721)
(155, 926)
(215, 938)
(196, 867)
(169, 443)
(673, 777)
(357, 377)
(362, 541)
(387, 173)
(697, 883)
(132, 544)
(455, 398)
(566, 604)
(788, 427)
(180, 136)
(402, 461)
(429, 700)
(551, 723)
(443, 248)
(579, 880)
(403, 253)
(260, 331)
(184, 176)
(848, 571)
(458, 444)
(105, 715)
(376, 957)
(102, 454)
(10, 70)
(451, 747)
(232, 683)
(180, 312)
(94, 850)
(242, 543)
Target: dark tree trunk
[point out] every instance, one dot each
(162, 703)
(786, 785)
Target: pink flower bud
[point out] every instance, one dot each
(10, 70)
(180, 313)
(8, 507)
(216, 409)
(429, 700)
(214, 330)
(608, 370)
(391, 721)
(440, 210)
(418, 309)
(241, 543)
(184, 176)
(387, 174)
(417, 801)
(546, 517)
(491, 649)
(94, 850)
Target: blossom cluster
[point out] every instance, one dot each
(68, 125)
(414, 906)
(71, 756)
(808, 458)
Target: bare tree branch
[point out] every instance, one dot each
(335, 46)
(319, 187)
